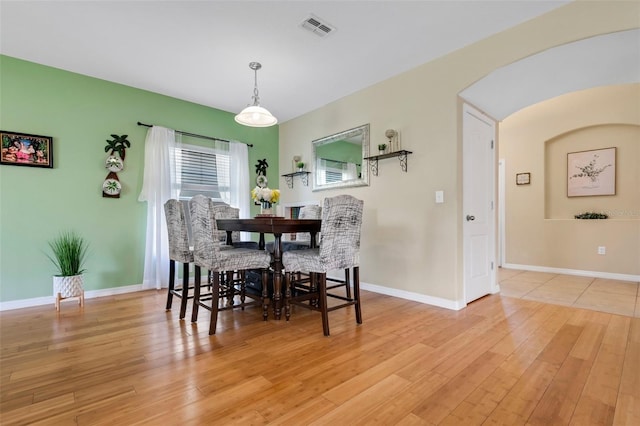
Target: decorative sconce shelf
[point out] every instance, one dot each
(402, 156)
(304, 177)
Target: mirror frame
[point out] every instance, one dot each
(364, 168)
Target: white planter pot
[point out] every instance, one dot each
(64, 287)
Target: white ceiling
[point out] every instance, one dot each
(200, 50)
(604, 60)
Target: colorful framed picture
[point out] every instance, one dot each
(23, 149)
(591, 172)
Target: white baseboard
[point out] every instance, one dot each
(402, 294)
(39, 301)
(594, 274)
(455, 305)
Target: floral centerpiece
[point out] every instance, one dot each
(265, 196)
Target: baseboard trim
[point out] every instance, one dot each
(594, 274)
(91, 294)
(455, 305)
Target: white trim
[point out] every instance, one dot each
(455, 305)
(39, 301)
(594, 274)
(502, 166)
(492, 216)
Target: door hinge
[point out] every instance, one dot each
(491, 144)
(491, 205)
(492, 266)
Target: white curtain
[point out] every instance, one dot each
(350, 172)
(158, 186)
(321, 171)
(239, 177)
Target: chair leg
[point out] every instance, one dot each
(185, 290)
(287, 294)
(347, 282)
(229, 284)
(313, 287)
(215, 300)
(242, 275)
(322, 300)
(172, 281)
(196, 294)
(356, 293)
(265, 294)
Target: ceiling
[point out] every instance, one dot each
(199, 51)
(604, 60)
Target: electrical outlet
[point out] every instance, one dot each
(602, 250)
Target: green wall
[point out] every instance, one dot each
(342, 151)
(80, 113)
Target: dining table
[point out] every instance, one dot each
(277, 226)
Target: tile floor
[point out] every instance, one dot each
(598, 294)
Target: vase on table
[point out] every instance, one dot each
(266, 208)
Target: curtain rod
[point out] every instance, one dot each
(250, 145)
(339, 161)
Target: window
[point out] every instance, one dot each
(333, 175)
(202, 170)
(332, 171)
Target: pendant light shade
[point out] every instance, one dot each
(255, 115)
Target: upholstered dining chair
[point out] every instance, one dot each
(225, 211)
(339, 249)
(179, 251)
(208, 255)
(303, 241)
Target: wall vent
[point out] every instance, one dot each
(318, 26)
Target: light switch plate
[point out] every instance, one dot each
(439, 196)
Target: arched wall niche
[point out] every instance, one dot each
(621, 206)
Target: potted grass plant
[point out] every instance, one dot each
(68, 254)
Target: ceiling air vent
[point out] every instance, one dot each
(317, 26)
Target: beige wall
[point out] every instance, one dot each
(410, 243)
(540, 228)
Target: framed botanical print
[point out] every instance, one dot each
(591, 172)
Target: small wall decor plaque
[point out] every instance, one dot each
(116, 147)
(523, 178)
(23, 149)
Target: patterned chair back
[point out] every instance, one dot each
(177, 232)
(308, 212)
(225, 211)
(340, 232)
(206, 245)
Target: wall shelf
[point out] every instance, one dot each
(304, 177)
(402, 156)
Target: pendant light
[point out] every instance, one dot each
(254, 115)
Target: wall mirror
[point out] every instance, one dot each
(339, 159)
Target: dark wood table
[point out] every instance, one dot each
(276, 226)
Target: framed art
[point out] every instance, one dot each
(22, 149)
(523, 178)
(591, 172)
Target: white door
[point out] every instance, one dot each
(478, 204)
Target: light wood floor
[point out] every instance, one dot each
(503, 360)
